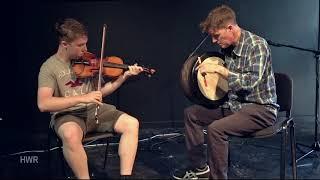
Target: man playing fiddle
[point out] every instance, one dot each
(72, 102)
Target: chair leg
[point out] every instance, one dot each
(49, 158)
(283, 154)
(229, 153)
(106, 154)
(63, 163)
(293, 150)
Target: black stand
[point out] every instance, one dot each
(315, 147)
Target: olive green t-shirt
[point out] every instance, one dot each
(58, 75)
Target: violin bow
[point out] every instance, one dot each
(100, 69)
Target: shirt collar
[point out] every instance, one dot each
(238, 50)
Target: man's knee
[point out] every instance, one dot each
(187, 110)
(213, 129)
(128, 124)
(70, 134)
(190, 112)
(132, 124)
(216, 131)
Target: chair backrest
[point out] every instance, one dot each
(284, 92)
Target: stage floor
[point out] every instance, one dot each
(250, 159)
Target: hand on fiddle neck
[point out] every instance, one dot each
(111, 86)
(133, 70)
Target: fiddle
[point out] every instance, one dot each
(113, 66)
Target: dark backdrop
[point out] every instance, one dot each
(157, 33)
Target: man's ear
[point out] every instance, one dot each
(64, 43)
(230, 27)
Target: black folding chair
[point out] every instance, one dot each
(87, 140)
(284, 94)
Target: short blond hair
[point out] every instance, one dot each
(218, 18)
(69, 29)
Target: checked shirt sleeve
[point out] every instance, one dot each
(251, 75)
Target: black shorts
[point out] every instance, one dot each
(85, 118)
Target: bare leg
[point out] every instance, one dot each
(128, 127)
(73, 151)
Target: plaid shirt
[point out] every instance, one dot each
(251, 77)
